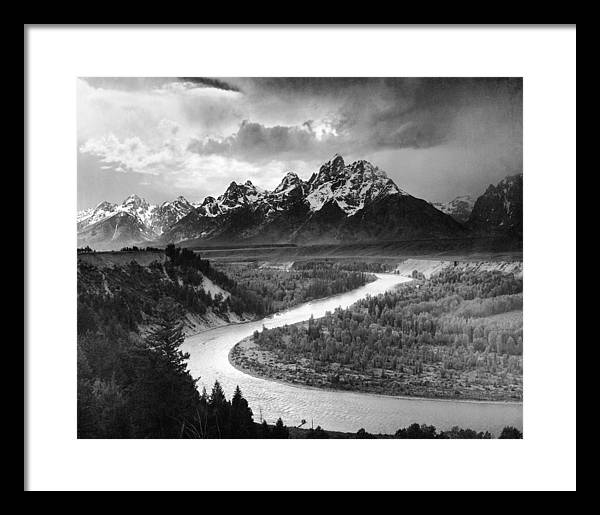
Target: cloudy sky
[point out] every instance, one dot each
(191, 136)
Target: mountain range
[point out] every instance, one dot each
(340, 203)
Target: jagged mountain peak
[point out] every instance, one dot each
(329, 170)
(337, 160)
(143, 221)
(104, 205)
(366, 171)
(291, 176)
(240, 193)
(179, 201)
(351, 186)
(289, 181)
(135, 200)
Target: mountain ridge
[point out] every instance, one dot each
(338, 203)
(500, 209)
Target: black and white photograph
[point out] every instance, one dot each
(299, 256)
(304, 257)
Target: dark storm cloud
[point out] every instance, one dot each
(212, 83)
(372, 114)
(422, 113)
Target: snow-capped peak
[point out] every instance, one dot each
(154, 218)
(328, 171)
(135, 200)
(290, 181)
(349, 186)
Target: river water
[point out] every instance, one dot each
(333, 410)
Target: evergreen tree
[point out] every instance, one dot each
(280, 430)
(510, 432)
(163, 400)
(361, 434)
(242, 423)
(168, 335)
(219, 412)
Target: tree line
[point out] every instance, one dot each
(270, 290)
(347, 265)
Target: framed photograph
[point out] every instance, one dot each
(318, 234)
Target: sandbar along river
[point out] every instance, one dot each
(333, 410)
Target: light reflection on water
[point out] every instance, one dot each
(336, 411)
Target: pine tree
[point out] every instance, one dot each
(163, 399)
(242, 423)
(510, 432)
(219, 413)
(166, 338)
(280, 431)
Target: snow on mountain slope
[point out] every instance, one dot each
(459, 208)
(96, 214)
(168, 213)
(235, 196)
(349, 186)
(339, 202)
(132, 222)
(154, 217)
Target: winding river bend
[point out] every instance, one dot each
(333, 410)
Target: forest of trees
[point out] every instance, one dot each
(128, 294)
(276, 290)
(432, 338)
(133, 387)
(135, 248)
(347, 265)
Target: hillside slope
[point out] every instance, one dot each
(123, 289)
